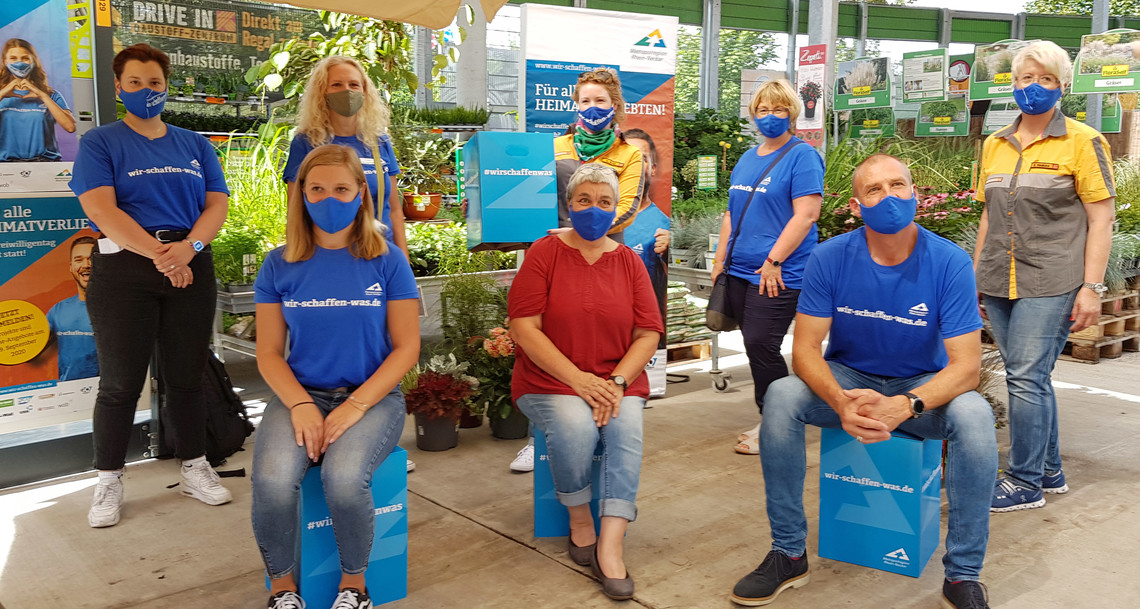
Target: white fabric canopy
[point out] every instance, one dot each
(434, 14)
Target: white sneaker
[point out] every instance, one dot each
(524, 461)
(351, 598)
(107, 502)
(411, 466)
(201, 482)
(286, 600)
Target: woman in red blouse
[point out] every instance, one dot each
(586, 322)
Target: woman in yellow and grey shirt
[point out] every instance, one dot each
(1040, 259)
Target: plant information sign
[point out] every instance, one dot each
(925, 75)
(873, 122)
(810, 78)
(947, 118)
(992, 76)
(1108, 63)
(706, 172)
(863, 83)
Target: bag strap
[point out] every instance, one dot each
(740, 221)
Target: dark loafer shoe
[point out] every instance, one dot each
(616, 589)
(580, 554)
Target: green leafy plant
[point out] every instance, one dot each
(702, 135)
(439, 390)
(458, 115)
(492, 358)
(440, 249)
(1127, 174)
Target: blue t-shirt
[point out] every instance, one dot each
(798, 174)
(891, 320)
(27, 129)
(160, 183)
(72, 328)
(335, 307)
(639, 235)
(387, 166)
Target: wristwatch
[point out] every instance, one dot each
(197, 245)
(619, 380)
(774, 262)
(917, 406)
(1099, 288)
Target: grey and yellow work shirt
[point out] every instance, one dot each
(1035, 197)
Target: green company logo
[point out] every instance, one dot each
(654, 39)
(7, 403)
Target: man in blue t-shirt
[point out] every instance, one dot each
(904, 353)
(69, 323)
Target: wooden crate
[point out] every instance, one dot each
(1092, 351)
(1117, 302)
(685, 353)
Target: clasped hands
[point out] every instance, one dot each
(173, 261)
(870, 416)
(603, 395)
(315, 431)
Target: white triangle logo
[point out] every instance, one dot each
(374, 289)
(899, 554)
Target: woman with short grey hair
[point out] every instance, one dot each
(586, 322)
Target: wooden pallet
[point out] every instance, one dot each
(1109, 347)
(687, 353)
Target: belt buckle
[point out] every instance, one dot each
(161, 235)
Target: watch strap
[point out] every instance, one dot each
(1099, 288)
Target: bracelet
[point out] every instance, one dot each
(299, 403)
(357, 401)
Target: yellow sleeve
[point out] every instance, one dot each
(1094, 178)
(629, 190)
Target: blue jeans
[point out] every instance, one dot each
(967, 422)
(1031, 333)
(279, 465)
(572, 436)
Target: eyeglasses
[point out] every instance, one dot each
(1045, 80)
(602, 75)
(779, 112)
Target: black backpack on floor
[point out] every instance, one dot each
(227, 423)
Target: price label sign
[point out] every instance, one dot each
(706, 172)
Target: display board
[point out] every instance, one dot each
(925, 75)
(863, 83)
(811, 78)
(946, 118)
(992, 76)
(1108, 63)
(641, 47)
(1075, 106)
(873, 122)
(1002, 112)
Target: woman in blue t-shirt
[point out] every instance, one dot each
(770, 240)
(158, 195)
(341, 106)
(346, 303)
(29, 108)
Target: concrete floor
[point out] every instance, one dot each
(702, 523)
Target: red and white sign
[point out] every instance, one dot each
(810, 85)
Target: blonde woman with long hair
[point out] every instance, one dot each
(337, 392)
(341, 106)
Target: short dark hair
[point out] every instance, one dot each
(640, 134)
(81, 241)
(142, 52)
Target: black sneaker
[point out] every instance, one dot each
(965, 594)
(351, 598)
(286, 600)
(777, 573)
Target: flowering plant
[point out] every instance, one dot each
(440, 390)
(493, 358)
(944, 213)
(811, 91)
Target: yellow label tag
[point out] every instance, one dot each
(1081, 116)
(612, 163)
(870, 124)
(942, 120)
(103, 13)
(862, 90)
(1003, 78)
(1117, 70)
(1042, 165)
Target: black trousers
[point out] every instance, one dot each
(763, 321)
(133, 307)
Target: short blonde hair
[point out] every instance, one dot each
(777, 92)
(314, 115)
(365, 240)
(594, 173)
(1053, 58)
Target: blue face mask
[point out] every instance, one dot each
(1036, 99)
(890, 215)
(333, 215)
(596, 119)
(20, 69)
(144, 103)
(592, 223)
(772, 126)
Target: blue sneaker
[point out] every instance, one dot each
(1010, 496)
(1054, 483)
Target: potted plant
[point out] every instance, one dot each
(437, 394)
(493, 359)
(427, 170)
(810, 92)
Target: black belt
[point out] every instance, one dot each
(332, 389)
(171, 236)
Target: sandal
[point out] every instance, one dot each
(749, 446)
(753, 432)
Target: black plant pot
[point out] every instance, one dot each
(515, 426)
(436, 435)
(470, 421)
(809, 109)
